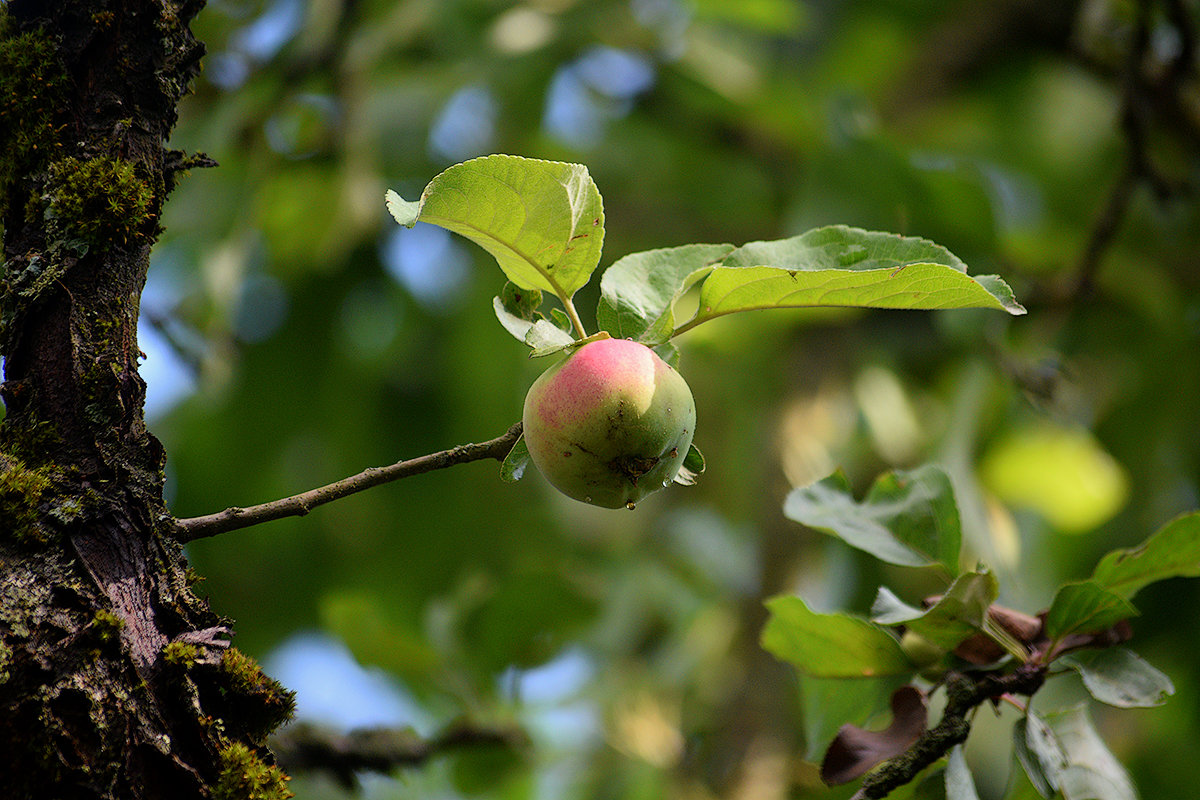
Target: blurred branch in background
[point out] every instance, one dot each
(234, 518)
(310, 748)
(1151, 91)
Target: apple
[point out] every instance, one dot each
(610, 423)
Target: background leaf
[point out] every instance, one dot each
(831, 645)
(907, 518)
(1173, 551)
(843, 266)
(543, 221)
(1120, 677)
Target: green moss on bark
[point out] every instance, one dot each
(100, 202)
(251, 701)
(245, 776)
(22, 491)
(33, 85)
(181, 653)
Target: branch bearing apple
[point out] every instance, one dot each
(609, 424)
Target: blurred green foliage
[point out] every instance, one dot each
(310, 337)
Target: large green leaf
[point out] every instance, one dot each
(1085, 607)
(958, 614)
(1172, 552)
(1120, 677)
(1039, 753)
(907, 518)
(959, 783)
(843, 266)
(1091, 771)
(831, 645)
(543, 221)
(638, 292)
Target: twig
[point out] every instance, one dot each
(308, 748)
(1104, 230)
(963, 693)
(232, 519)
(1141, 95)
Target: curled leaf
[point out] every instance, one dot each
(543, 221)
(693, 467)
(513, 468)
(855, 750)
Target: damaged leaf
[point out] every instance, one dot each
(855, 750)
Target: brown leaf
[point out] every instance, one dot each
(1109, 637)
(981, 649)
(854, 750)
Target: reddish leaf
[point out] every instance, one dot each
(854, 750)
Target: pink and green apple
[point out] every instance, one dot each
(610, 423)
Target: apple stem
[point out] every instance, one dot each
(573, 315)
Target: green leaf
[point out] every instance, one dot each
(638, 292)
(546, 338)
(522, 303)
(888, 609)
(668, 353)
(403, 211)
(957, 615)
(1172, 552)
(1091, 771)
(517, 308)
(513, 468)
(843, 266)
(959, 784)
(907, 518)
(1040, 754)
(692, 468)
(831, 645)
(560, 319)
(523, 620)
(376, 634)
(1120, 677)
(543, 221)
(1085, 607)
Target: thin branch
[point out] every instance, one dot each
(1104, 230)
(308, 748)
(963, 693)
(1141, 94)
(232, 519)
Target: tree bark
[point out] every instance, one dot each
(116, 680)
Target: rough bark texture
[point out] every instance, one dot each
(115, 679)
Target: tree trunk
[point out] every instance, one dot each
(116, 681)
